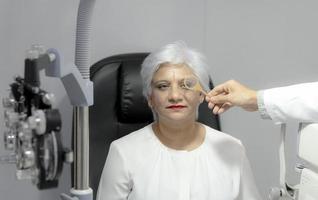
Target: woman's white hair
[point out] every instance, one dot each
(174, 53)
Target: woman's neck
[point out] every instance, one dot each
(185, 136)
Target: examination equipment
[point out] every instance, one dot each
(192, 83)
(44, 159)
(33, 125)
(307, 166)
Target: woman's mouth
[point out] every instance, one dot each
(175, 107)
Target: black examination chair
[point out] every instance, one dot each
(120, 108)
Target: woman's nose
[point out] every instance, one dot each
(175, 93)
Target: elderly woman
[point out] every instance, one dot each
(176, 157)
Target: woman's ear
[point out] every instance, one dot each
(201, 97)
(149, 100)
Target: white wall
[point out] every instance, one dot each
(122, 26)
(260, 43)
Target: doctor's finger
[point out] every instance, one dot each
(216, 109)
(211, 105)
(220, 99)
(218, 90)
(224, 108)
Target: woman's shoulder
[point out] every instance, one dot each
(134, 139)
(220, 139)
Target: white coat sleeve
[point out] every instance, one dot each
(248, 188)
(115, 181)
(297, 102)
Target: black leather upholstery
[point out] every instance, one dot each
(120, 108)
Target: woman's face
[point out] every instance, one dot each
(169, 98)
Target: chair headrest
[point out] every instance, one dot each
(123, 72)
(133, 106)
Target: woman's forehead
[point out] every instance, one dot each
(169, 71)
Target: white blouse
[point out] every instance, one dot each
(140, 167)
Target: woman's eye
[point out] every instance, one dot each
(162, 86)
(183, 86)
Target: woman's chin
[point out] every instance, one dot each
(178, 117)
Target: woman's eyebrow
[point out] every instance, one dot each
(181, 80)
(167, 81)
(160, 81)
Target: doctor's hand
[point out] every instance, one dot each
(229, 94)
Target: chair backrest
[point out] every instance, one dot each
(120, 108)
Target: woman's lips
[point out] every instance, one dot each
(175, 107)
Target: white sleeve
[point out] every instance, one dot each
(297, 102)
(248, 189)
(115, 181)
